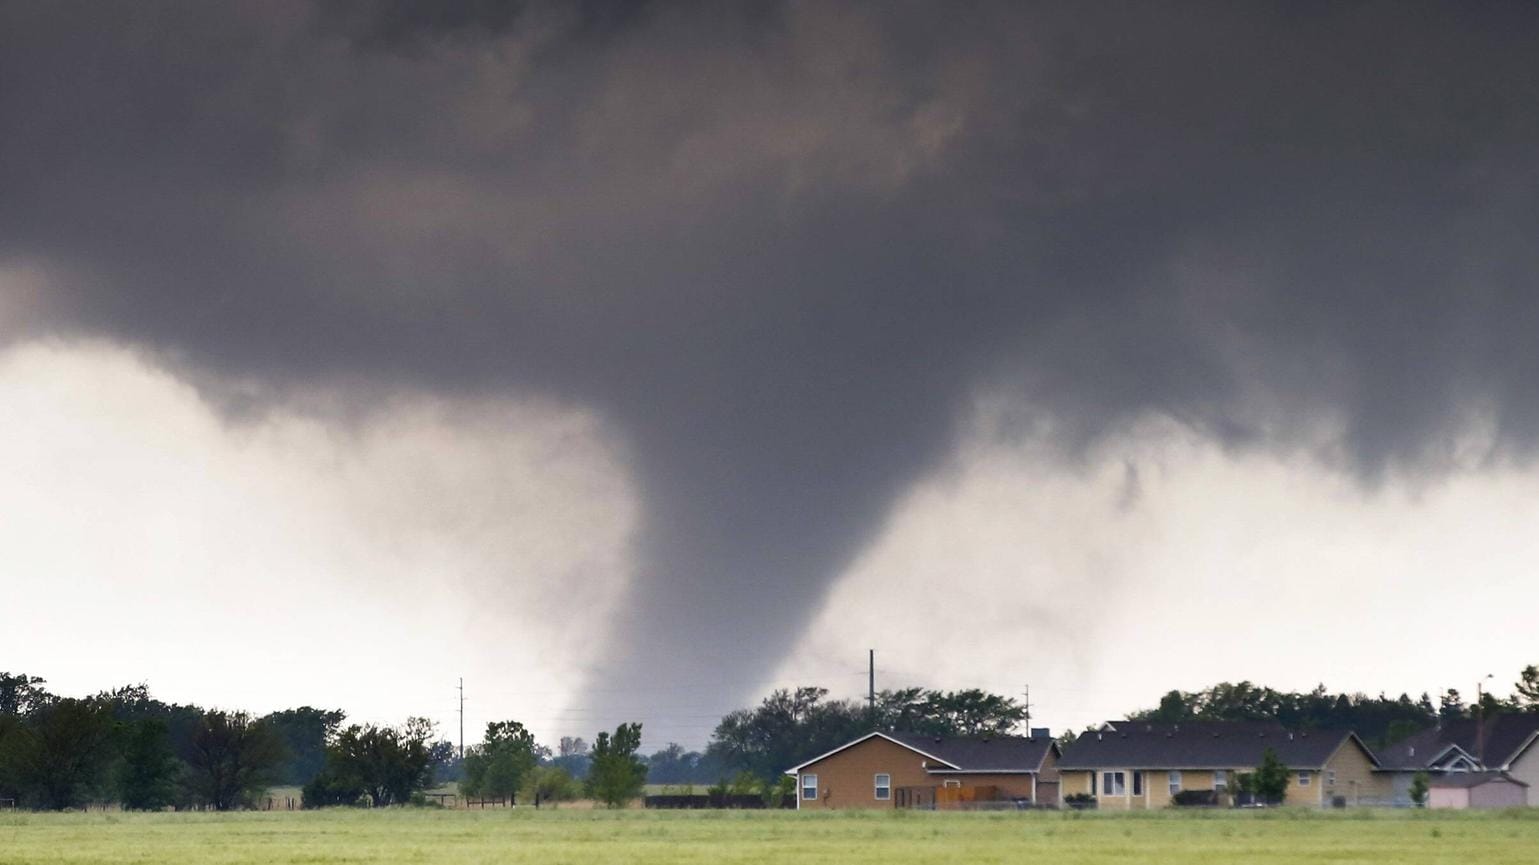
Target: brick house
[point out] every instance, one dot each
(903, 770)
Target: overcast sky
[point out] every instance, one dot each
(631, 359)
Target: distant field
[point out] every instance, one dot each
(575, 837)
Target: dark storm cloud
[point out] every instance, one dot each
(781, 247)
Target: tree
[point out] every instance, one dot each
(145, 777)
(499, 765)
(1526, 689)
(616, 775)
(305, 732)
(551, 784)
(445, 760)
(1420, 783)
(572, 755)
(232, 759)
(388, 764)
(60, 752)
(21, 693)
(1451, 707)
(1270, 780)
(1173, 709)
(327, 790)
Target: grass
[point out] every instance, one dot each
(683, 838)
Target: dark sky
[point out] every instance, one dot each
(781, 248)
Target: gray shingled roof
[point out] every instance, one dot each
(1472, 779)
(1504, 736)
(996, 753)
(1198, 745)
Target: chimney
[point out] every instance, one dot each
(1041, 733)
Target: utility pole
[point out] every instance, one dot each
(871, 684)
(462, 719)
(1027, 707)
(1480, 719)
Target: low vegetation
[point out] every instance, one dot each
(1279, 837)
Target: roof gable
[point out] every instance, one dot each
(872, 735)
(960, 754)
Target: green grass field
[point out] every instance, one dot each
(578, 837)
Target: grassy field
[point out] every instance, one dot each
(427, 836)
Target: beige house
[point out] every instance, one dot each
(1134, 765)
(901, 770)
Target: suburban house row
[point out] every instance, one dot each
(1136, 765)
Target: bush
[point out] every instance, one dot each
(326, 790)
(1195, 798)
(1079, 801)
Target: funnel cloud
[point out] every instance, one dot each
(782, 250)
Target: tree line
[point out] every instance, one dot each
(128, 747)
(1380, 720)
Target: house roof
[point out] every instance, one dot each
(1472, 779)
(1200, 745)
(985, 753)
(1506, 737)
(961, 754)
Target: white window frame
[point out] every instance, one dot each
(1330, 777)
(952, 784)
(1114, 783)
(809, 782)
(1173, 780)
(1303, 779)
(1220, 779)
(882, 782)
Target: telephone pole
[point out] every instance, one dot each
(462, 719)
(871, 684)
(1027, 707)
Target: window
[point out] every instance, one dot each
(1175, 782)
(1303, 779)
(883, 786)
(1092, 783)
(810, 787)
(1330, 777)
(1114, 784)
(952, 784)
(1220, 779)
(1138, 783)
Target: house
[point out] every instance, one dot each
(904, 770)
(1135, 765)
(1476, 790)
(1505, 743)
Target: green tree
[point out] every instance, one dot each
(327, 790)
(616, 774)
(498, 766)
(60, 752)
(21, 693)
(305, 733)
(551, 784)
(145, 776)
(232, 759)
(1420, 784)
(1270, 780)
(388, 763)
(1526, 689)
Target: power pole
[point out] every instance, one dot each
(871, 684)
(462, 719)
(1027, 707)
(1480, 719)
